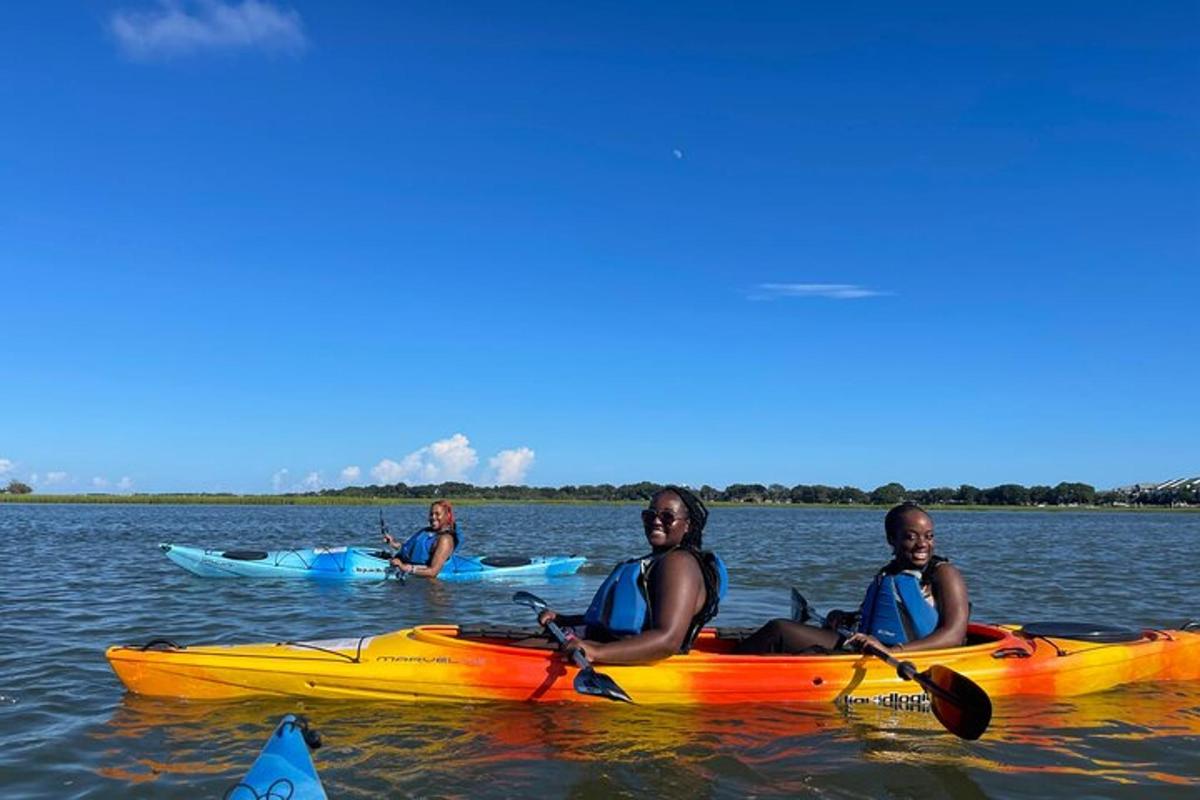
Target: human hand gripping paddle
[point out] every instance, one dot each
(390, 572)
(959, 703)
(587, 680)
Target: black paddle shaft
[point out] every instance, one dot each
(587, 680)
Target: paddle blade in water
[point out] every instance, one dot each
(958, 702)
(588, 681)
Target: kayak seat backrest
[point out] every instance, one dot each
(503, 561)
(244, 555)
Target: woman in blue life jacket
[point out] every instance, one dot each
(427, 551)
(652, 607)
(918, 601)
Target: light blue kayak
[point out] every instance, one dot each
(284, 768)
(355, 563)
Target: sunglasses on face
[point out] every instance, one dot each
(665, 517)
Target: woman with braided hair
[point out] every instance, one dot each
(653, 606)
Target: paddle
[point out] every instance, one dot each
(959, 703)
(587, 680)
(395, 572)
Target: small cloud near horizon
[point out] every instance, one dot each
(55, 477)
(177, 28)
(6, 465)
(351, 474)
(834, 291)
(510, 467)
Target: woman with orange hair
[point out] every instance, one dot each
(427, 551)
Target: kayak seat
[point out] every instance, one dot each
(491, 633)
(244, 555)
(505, 561)
(1082, 631)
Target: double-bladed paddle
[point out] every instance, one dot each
(587, 680)
(959, 703)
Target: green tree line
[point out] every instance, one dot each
(1007, 494)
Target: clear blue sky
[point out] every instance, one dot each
(246, 246)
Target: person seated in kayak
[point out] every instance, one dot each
(918, 601)
(653, 606)
(427, 551)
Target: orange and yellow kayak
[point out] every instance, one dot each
(433, 663)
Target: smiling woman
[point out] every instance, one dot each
(652, 607)
(918, 601)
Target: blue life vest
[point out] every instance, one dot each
(895, 610)
(621, 606)
(418, 548)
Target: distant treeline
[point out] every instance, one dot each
(1008, 494)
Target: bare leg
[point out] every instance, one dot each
(783, 636)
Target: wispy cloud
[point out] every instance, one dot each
(125, 484)
(279, 479)
(56, 477)
(834, 291)
(511, 466)
(444, 460)
(5, 465)
(99, 482)
(351, 474)
(180, 28)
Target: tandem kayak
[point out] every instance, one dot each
(354, 563)
(434, 663)
(284, 768)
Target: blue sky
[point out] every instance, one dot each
(260, 246)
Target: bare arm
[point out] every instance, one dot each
(677, 592)
(443, 548)
(950, 593)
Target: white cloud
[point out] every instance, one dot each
(279, 479)
(100, 483)
(387, 471)
(125, 484)
(5, 465)
(351, 474)
(180, 27)
(311, 483)
(836, 291)
(511, 466)
(444, 460)
(56, 477)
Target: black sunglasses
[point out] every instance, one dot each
(667, 518)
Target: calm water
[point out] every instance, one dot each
(74, 579)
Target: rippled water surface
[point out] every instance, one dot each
(75, 579)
